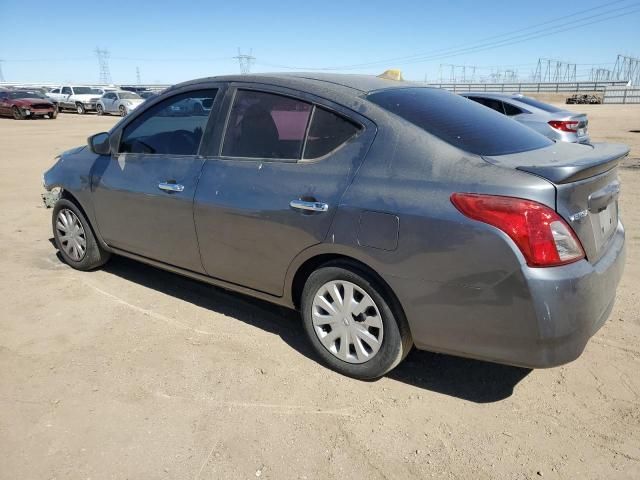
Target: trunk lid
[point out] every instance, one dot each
(586, 182)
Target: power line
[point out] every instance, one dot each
(482, 45)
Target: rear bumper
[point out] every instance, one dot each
(535, 318)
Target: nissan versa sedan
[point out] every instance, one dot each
(389, 214)
(556, 123)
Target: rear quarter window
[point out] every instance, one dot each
(459, 121)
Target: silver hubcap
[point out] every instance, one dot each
(71, 234)
(347, 321)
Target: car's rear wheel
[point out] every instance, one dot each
(99, 109)
(53, 115)
(74, 237)
(123, 110)
(80, 109)
(17, 114)
(352, 323)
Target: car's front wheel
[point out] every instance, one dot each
(74, 237)
(353, 323)
(17, 114)
(123, 110)
(99, 109)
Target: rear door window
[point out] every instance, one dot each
(66, 90)
(327, 132)
(266, 125)
(171, 127)
(493, 104)
(511, 109)
(459, 122)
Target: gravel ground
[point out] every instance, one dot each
(132, 372)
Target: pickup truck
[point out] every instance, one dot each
(79, 98)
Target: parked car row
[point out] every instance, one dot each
(83, 99)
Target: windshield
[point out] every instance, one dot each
(541, 105)
(130, 95)
(25, 94)
(86, 91)
(459, 121)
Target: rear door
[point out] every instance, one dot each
(143, 195)
(273, 180)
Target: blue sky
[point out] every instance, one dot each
(175, 41)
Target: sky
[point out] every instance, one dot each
(170, 41)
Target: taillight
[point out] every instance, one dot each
(565, 125)
(542, 236)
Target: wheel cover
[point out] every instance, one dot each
(347, 321)
(79, 108)
(71, 234)
(123, 111)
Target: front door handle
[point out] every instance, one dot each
(309, 206)
(171, 187)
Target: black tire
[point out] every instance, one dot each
(94, 256)
(80, 110)
(53, 115)
(17, 114)
(123, 110)
(396, 342)
(99, 109)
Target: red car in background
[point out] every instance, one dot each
(21, 104)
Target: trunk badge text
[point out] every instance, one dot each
(576, 217)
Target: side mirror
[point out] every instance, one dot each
(99, 143)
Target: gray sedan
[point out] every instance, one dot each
(389, 214)
(556, 123)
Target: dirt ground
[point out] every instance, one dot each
(132, 373)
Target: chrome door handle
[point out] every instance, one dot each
(309, 206)
(171, 187)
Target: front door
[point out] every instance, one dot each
(273, 186)
(143, 195)
(65, 97)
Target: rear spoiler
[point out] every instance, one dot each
(602, 158)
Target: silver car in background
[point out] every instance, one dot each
(121, 102)
(558, 124)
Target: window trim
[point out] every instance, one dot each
(161, 99)
(295, 95)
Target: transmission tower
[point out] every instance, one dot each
(459, 73)
(103, 65)
(1, 74)
(138, 76)
(550, 70)
(245, 61)
(627, 69)
(600, 75)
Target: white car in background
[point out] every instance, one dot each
(121, 102)
(73, 97)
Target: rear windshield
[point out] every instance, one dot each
(459, 121)
(541, 105)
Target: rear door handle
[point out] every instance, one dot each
(309, 206)
(171, 187)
